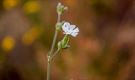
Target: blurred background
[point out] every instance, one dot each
(103, 50)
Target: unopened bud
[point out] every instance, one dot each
(61, 8)
(64, 42)
(59, 25)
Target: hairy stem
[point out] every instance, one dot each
(51, 51)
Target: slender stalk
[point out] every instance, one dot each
(51, 51)
(54, 54)
(55, 37)
(53, 43)
(48, 69)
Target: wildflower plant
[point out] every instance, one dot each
(68, 30)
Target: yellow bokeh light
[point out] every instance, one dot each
(31, 7)
(30, 36)
(8, 43)
(9, 4)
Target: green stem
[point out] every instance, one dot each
(53, 44)
(51, 51)
(48, 69)
(54, 54)
(55, 37)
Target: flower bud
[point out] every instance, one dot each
(59, 25)
(64, 42)
(61, 8)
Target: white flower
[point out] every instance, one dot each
(70, 29)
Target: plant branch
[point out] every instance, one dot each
(51, 51)
(54, 54)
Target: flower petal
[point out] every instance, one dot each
(74, 34)
(65, 27)
(76, 30)
(72, 27)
